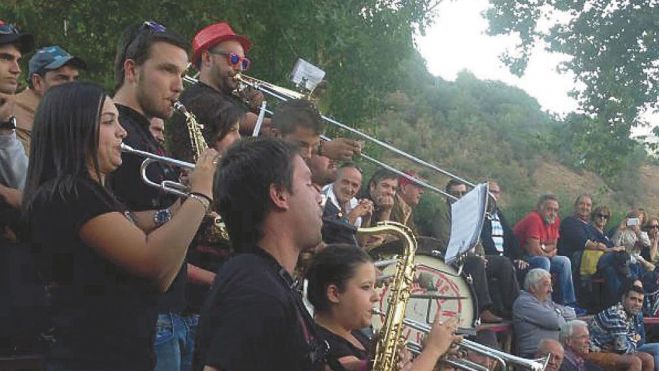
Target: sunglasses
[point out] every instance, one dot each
(8, 29)
(653, 226)
(603, 216)
(150, 26)
(234, 59)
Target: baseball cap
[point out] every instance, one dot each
(51, 58)
(10, 34)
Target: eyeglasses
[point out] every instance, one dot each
(603, 216)
(653, 226)
(8, 29)
(234, 59)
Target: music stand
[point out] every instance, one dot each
(467, 218)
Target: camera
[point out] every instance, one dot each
(632, 222)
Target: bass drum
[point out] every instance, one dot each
(437, 287)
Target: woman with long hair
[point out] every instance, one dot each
(103, 272)
(342, 291)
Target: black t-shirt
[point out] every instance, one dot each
(254, 320)
(340, 347)
(127, 184)
(104, 317)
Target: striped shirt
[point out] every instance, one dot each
(615, 330)
(497, 232)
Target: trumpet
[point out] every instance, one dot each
(168, 186)
(502, 358)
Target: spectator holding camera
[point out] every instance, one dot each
(635, 241)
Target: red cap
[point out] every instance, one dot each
(213, 35)
(405, 181)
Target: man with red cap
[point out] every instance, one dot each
(407, 198)
(219, 54)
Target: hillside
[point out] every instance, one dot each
(482, 130)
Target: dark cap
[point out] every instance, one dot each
(9, 34)
(51, 58)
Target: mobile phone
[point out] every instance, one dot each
(632, 221)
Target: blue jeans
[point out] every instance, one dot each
(174, 343)
(562, 268)
(652, 348)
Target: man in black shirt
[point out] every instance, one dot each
(254, 318)
(219, 54)
(148, 68)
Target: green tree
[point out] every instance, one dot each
(360, 44)
(613, 49)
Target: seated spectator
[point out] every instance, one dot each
(406, 199)
(381, 190)
(555, 350)
(618, 335)
(494, 279)
(497, 235)
(535, 315)
(343, 213)
(636, 243)
(576, 342)
(651, 227)
(538, 234)
(613, 263)
(630, 235)
(574, 230)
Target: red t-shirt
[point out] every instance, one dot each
(533, 226)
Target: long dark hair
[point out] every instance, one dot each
(64, 137)
(334, 265)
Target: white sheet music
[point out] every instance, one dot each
(467, 217)
(306, 75)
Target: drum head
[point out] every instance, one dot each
(442, 289)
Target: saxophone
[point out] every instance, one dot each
(390, 339)
(216, 230)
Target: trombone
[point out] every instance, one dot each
(287, 94)
(502, 358)
(168, 186)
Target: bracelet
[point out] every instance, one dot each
(210, 200)
(204, 201)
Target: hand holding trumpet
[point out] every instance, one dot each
(201, 178)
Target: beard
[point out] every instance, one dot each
(149, 104)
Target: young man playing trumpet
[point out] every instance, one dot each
(149, 64)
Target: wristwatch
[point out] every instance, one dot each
(9, 124)
(161, 217)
